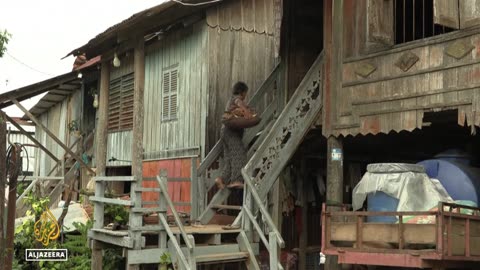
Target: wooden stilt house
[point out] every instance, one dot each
(159, 114)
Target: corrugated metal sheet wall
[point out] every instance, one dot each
(187, 49)
(56, 119)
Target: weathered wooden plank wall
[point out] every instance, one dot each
(126, 66)
(391, 99)
(56, 119)
(183, 136)
(240, 47)
(355, 27)
(119, 144)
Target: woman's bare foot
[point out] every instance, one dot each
(219, 182)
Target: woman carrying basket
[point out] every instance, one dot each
(236, 118)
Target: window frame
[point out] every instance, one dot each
(170, 96)
(121, 90)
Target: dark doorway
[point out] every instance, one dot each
(303, 38)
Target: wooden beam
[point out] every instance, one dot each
(110, 201)
(101, 158)
(137, 133)
(35, 89)
(304, 230)
(115, 179)
(145, 256)
(3, 182)
(333, 44)
(195, 190)
(28, 135)
(122, 241)
(220, 197)
(57, 140)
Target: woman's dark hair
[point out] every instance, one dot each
(239, 88)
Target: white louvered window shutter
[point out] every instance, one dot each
(170, 94)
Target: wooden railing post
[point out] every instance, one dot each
(191, 258)
(194, 190)
(273, 251)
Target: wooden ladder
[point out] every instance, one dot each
(58, 184)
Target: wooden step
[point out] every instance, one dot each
(231, 257)
(227, 207)
(117, 238)
(110, 232)
(206, 229)
(148, 210)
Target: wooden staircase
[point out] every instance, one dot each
(268, 156)
(203, 243)
(189, 246)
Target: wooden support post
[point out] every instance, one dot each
(194, 190)
(100, 160)
(57, 140)
(15, 159)
(303, 186)
(333, 44)
(274, 251)
(334, 183)
(3, 182)
(137, 146)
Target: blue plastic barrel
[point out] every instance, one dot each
(460, 181)
(381, 202)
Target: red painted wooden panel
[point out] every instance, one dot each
(178, 191)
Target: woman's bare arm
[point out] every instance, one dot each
(244, 107)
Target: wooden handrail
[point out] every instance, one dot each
(257, 228)
(174, 241)
(213, 155)
(265, 87)
(263, 210)
(164, 191)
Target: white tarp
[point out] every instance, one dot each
(75, 214)
(406, 182)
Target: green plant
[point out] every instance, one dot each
(4, 39)
(115, 260)
(165, 258)
(79, 253)
(116, 213)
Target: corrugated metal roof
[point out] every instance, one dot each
(143, 22)
(61, 84)
(58, 88)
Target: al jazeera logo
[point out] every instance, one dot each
(46, 230)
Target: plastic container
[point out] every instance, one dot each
(461, 181)
(378, 201)
(381, 202)
(455, 155)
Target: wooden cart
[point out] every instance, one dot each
(451, 240)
